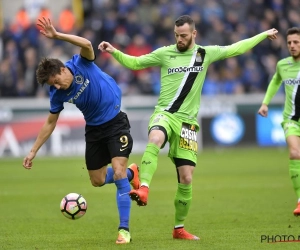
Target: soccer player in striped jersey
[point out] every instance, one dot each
(107, 132)
(288, 73)
(183, 70)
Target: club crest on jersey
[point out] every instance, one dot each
(79, 79)
(172, 57)
(198, 57)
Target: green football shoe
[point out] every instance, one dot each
(123, 237)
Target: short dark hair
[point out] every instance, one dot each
(48, 67)
(185, 19)
(292, 31)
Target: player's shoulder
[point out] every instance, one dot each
(209, 48)
(78, 59)
(285, 61)
(167, 48)
(72, 61)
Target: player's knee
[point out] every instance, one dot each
(186, 179)
(157, 140)
(120, 174)
(97, 182)
(294, 154)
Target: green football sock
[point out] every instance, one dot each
(182, 202)
(149, 163)
(294, 169)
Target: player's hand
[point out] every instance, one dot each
(105, 46)
(272, 33)
(47, 28)
(27, 162)
(263, 110)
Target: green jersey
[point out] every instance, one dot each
(287, 73)
(183, 73)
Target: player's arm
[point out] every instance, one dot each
(271, 91)
(244, 45)
(48, 30)
(238, 48)
(42, 137)
(132, 62)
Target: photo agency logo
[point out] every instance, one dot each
(279, 238)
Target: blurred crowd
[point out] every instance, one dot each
(139, 26)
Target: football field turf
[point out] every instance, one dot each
(242, 198)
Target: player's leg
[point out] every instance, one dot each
(94, 145)
(120, 145)
(294, 167)
(292, 133)
(158, 134)
(122, 197)
(132, 174)
(150, 157)
(183, 199)
(105, 175)
(183, 152)
(96, 163)
(112, 143)
(94, 159)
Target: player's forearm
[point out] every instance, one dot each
(271, 91)
(76, 40)
(245, 45)
(43, 136)
(127, 61)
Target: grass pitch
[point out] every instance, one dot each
(240, 196)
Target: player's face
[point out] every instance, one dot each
(185, 37)
(62, 80)
(293, 44)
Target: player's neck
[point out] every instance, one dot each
(296, 59)
(192, 46)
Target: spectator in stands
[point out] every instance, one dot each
(29, 85)
(139, 47)
(8, 80)
(66, 20)
(21, 21)
(153, 20)
(44, 12)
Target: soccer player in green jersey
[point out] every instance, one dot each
(288, 73)
(183, 69)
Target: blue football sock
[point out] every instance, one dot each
(110, 175)
(123, 202)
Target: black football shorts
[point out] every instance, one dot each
(107, 141)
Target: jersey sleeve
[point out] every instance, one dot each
(238, 48)
(273, 87)
(84, 61)
(135, 63)
(55, 105)
(79, 61)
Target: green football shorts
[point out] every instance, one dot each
(291, 127)
(182, 135)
